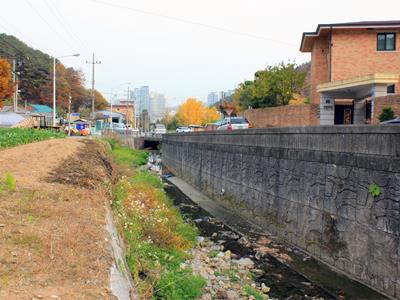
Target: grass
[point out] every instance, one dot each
(232, 274)
(8, 183)
(29, 241)
(10, 137)
(253, 292)
(213, 253)
(179, 285)
(126, 156)
(156, 235)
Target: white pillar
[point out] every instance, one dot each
(327, 110)
(359, 111)
(378, 90)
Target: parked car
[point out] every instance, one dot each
(119, 126)
(183, 129)
(234, 123)
(160, 129)
(393, 121)
(195, 128)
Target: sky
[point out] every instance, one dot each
(181, 48)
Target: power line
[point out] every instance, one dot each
(59, 16)
(14, 29)
(48, 24)
(186, 21)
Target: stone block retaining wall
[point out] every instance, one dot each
(308, 186)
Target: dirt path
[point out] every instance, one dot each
(53, 244)
(32, 162)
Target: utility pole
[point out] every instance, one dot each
(126, 104)
(15, 96)
(93, 62)
(111, 111)
(54, 90)
(69, 114)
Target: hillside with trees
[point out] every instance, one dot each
(35, 77)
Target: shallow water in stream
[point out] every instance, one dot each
(285, 281)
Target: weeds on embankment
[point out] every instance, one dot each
(126, 156)
(10, 137)
(8, 183)
(155, 233)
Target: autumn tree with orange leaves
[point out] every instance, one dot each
(195, 112)
(6, 84)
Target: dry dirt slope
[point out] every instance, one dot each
(53, 244)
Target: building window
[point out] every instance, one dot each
(391, 89)
(386, 41)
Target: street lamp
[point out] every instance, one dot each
(54, 84)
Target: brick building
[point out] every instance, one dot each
(352, 64)
(128, 109)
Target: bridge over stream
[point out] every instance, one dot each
(149, 141)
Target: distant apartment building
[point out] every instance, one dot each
(354, 66)
(215, 97)
(142, 99)
(212, 98)
(157, 106)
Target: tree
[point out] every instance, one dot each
(6, 84)
(386, 114)
(244, 95)
(193, 111)
(210, 115)
(273, 86)
(231, 106)
(170, 121)
(100, 102)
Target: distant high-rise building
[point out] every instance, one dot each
(214, 97)
(229, 93)
(142, 99)
(157, 107)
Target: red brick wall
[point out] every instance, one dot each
(283, 116)
(389, 101)
(319, 66)
(354, 54)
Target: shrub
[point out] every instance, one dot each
(386, 114)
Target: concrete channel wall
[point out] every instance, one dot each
(308, 186)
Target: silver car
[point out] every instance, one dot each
(183, 129)
(234, 123)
